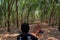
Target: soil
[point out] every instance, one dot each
(48, 34)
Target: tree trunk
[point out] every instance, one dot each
(52, 16)
(8, 16)
(17, 12)
(28, 17)
(5, 12)
(49, 19)
(59, 24)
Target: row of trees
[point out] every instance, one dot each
(15, 12)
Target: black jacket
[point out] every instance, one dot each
(26, 37)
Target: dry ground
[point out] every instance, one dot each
(49, 34)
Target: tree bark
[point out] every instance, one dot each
(5, 11)
(52, 15)
(59, 24)
(17, 12)
(8, 16)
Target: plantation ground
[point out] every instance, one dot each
(49, 33)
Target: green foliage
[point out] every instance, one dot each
(27, 9)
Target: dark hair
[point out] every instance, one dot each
(25, 27)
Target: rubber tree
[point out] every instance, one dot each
(8, 28)
(53, 3)
(5, 11)
(1, 13)
(17, 12)
(59, 24)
